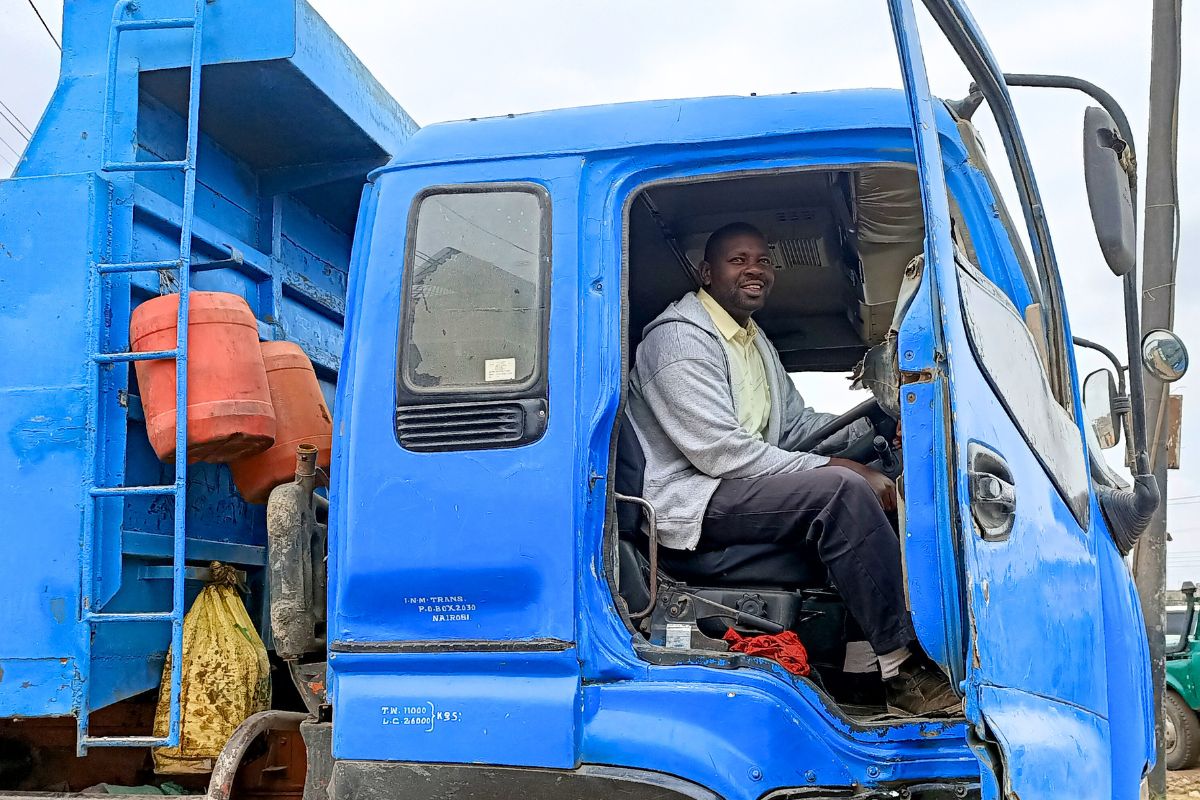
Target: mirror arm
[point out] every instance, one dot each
(1109, 354)
(1128, 512)
(1106, 101)
(1122, 406)
(1137, 387)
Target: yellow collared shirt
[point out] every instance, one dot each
(752, 394)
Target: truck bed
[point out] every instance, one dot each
(290, 124)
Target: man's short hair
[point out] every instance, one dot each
(718, 238)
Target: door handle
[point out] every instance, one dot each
(993, 493)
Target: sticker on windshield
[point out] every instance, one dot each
(500, 369)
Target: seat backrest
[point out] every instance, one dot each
(633, 576)
(630, 472)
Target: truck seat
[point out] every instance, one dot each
(745, 564)
(806, 604)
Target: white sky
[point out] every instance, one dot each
(467, 58)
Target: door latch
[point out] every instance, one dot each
(993, 493)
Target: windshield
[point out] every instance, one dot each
(1176, 618)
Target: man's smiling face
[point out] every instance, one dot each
(740, 275)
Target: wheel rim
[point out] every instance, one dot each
(1170, 738)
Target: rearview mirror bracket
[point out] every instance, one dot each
(1128, 512)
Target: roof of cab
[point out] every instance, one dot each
(620, 126)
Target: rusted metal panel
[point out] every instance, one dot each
(1174, 430)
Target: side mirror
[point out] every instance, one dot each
(1108, 190)
(1164, 355)
(1189, 621)
(1099, 392)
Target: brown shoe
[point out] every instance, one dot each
(921, 690)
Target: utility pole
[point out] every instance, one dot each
(1159, 233)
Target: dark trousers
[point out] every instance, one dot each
(799, 530)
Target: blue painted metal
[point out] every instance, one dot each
(145, 355)
(130, 616)
(137, 266)
(130, 176)
(158, 546)
(930, 551)
(492, 532)
(128, 491)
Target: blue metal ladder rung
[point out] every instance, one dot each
(132, 616)
(132, 491)
(98, 289)
(145, 355)
(124, 741)
(160, 24)
(139, 266)
(145, 166)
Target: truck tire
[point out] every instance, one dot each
(1181, 732)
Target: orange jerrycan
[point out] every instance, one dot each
(301, 417)
(229, 413)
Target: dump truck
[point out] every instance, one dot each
(474, 607)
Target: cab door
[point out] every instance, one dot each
(1003, 576)
(453, 546)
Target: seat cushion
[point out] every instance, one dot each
(746, 565)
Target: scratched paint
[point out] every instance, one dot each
(37, 437)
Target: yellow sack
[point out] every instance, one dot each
(226, 677)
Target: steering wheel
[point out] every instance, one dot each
(862, 448)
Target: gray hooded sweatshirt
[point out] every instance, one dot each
(683, 409)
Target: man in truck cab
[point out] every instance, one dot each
(719, 418)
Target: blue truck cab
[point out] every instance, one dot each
(497, 623)
(489, 606)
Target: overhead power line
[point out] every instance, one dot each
(42, 20)
(14, 125)
(10, 113)
(12, 149)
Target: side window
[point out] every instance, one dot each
(474, 318)
(988, 121)
(1009, 358)
(1044, 315)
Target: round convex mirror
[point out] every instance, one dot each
(1164, 355)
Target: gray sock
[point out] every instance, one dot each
(889, 663)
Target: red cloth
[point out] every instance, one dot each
(786, 648)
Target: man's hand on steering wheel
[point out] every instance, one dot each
(883, 486)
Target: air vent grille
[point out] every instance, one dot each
(460, 426)
(795, 215)
(794, 253)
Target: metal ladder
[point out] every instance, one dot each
(97, 300)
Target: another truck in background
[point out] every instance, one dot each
(1182, 700)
